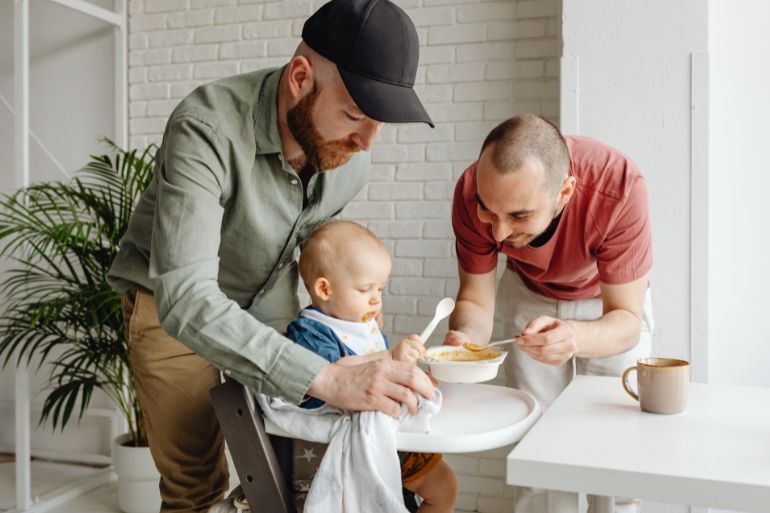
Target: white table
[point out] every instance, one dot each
(595, 439)
(473, 417)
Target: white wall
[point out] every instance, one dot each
(626, 81)
(633, 92)
(71, 88)
(739, 241)
(480, 62)
(71, 108)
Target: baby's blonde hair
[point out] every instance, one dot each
(331, 246)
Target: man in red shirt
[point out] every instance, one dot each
(570, 214)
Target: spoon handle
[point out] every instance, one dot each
(507, 341)
(428, 331)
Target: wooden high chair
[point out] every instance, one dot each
(262, 461)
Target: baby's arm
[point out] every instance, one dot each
(408, 350)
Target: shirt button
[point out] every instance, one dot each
(228, 372)
(261, 292)
(294, 181)
(280, 265)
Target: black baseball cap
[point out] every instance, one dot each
(375, 47)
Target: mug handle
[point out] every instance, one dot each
(626, 385)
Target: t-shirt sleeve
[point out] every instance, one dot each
(316, 337)
(626, 253)
(476, 253)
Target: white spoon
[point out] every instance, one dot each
(443, 308)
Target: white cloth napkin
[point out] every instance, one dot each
(360, 470)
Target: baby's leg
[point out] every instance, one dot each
(437, 487)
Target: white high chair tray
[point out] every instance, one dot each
(473, 417)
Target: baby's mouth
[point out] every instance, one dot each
(369, 316)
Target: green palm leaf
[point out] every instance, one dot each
(60, 240)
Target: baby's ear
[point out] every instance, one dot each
(322, 289)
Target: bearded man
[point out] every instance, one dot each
(247, 168)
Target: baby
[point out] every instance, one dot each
(345, 268)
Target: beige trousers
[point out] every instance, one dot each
(517, 306)
(173, 385)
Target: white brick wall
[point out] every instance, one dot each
(481, 62)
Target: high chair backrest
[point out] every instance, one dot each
(262, 479)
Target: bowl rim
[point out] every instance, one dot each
(442, 349)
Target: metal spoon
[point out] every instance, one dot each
(443, 308)
(475, 347)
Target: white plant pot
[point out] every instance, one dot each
(138, 479)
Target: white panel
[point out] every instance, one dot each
(632, 90)
(739, 241)
(22, 422)
(699, 282)
(634, 94)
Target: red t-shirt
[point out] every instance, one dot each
(603, 235)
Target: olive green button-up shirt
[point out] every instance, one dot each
(216, 234)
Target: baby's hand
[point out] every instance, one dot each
(409, 350)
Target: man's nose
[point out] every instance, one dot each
(364, 137)
(501, 231)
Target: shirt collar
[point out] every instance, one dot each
(268, 139)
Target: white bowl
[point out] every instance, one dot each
(454, 371)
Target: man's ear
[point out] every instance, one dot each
(567, 190)
(322, 289)
(300, 77)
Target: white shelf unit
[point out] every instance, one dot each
(117, 18)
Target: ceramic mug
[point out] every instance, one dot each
(662, 384)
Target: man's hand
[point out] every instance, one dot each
(473, 316)
(380, 385)
(408, 350)
(456, 338)
(548, 340)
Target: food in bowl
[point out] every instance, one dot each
(463, 355)
(455, 364)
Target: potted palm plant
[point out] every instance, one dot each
(60, 312)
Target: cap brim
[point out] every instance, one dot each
(385, 102)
